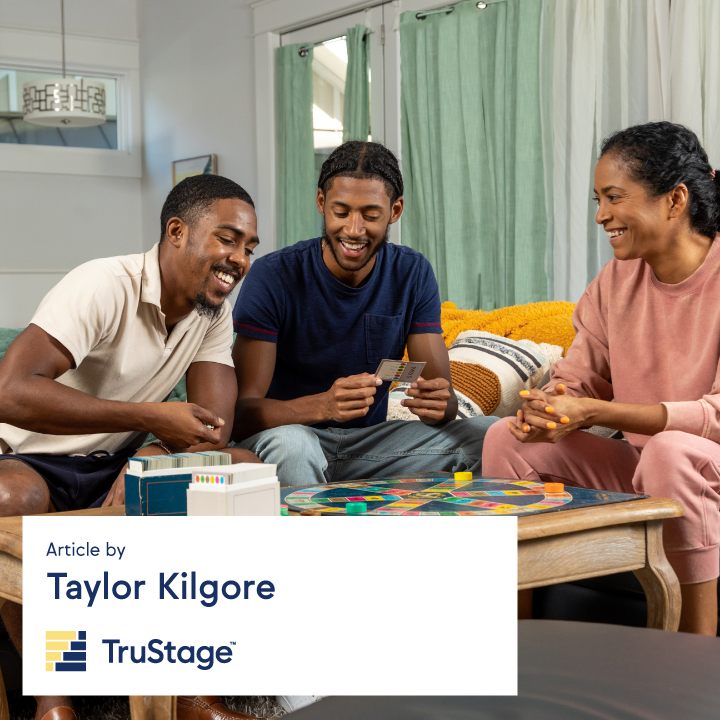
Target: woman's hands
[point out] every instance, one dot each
(549, 416)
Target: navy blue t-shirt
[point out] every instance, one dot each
(324, 329)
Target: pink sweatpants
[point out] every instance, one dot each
(673, 464)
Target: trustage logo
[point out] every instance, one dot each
(156, 652)
(65, 651)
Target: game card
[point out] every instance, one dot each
(399, 370)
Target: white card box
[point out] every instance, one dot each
(246, 489)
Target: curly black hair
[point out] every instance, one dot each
(662, 155)
(192, 197)
(364, 161)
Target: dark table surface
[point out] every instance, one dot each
(571, 671)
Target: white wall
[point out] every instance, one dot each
(198, 95)
(50, 223)
(99, 18)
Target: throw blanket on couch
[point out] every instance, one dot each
(542, 322)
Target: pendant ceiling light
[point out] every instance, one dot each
(64, 102)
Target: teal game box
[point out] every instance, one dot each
(157, 484)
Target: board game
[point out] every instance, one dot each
(443, 495)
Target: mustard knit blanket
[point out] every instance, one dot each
(541, 322)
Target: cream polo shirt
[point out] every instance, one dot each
(107, 314)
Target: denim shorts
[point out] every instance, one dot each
(77, 482)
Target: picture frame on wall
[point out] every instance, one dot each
(200, 165)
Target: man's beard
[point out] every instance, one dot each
(373, 252)
(202, 303)
(205, 308)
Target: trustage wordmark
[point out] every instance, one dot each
(155, 652)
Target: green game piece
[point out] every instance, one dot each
(284, 510)
(356, 508)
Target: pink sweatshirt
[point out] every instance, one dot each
(642, 341)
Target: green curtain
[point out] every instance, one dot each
(472, 151)
(356, 111)
(296, 181)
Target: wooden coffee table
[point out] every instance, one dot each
(564, 545)
(578, 544)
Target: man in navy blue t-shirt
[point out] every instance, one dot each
(313, 322)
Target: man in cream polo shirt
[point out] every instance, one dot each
(84, 383)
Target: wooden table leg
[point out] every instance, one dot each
(153, 707)
(660, 583)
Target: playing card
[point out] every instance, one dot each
(399, 370)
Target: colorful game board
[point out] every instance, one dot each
(444, 496)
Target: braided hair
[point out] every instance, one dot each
(660, 156)
(363, 161)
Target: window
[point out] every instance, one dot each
(329, 71)
(13, 129)
(285, 22)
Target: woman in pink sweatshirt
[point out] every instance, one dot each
(648, 338)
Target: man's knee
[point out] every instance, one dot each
(468, 432)
(287, 442)
(22, 490)
(481, 426)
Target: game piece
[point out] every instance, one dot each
(442, 494)
(355, 508)
(247, 489)
(399, 371)
(463, 477)
(284, 510)
(554, 488)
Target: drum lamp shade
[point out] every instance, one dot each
(64, 102)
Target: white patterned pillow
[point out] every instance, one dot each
(509, 366)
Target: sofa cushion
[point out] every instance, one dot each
(492, 370)
(7, 335)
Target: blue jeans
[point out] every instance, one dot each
(308, 456)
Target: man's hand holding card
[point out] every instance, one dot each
(428, 399)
